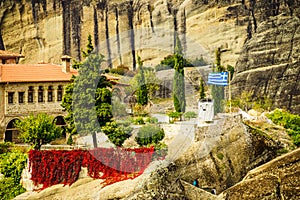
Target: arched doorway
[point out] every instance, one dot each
(11, 132)
(61, 122)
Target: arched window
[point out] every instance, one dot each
(50, 95)
(59, 93)
(30, 94)
(59, 121)
(11, 132)
(41, 94)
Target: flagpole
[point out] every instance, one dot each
(229, 81)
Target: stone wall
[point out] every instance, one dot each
(16, 110)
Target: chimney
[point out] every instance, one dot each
(66, 63)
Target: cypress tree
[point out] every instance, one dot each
(178, 82)
(201, 89)
(142, 92)
(218, 90)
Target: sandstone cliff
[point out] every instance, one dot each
(269, 63)
(46, 29)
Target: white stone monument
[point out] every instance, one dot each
(205, 110)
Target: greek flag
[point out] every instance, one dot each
(220, 78)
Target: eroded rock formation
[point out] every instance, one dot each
(269, 63)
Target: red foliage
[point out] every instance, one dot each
(52, 167)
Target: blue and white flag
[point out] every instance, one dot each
(220, 78)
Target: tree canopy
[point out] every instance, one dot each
(87, 98)
(91, 98)
(38, 130)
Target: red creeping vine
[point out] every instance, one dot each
(50, 167)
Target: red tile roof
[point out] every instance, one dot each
(7, 54)
(34, 73)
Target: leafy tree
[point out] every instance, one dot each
(201, 89)
(170, 62)
(142, 92)
(178, 83)
(151, 81)
(38, 130)
(149, 134)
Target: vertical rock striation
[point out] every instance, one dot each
(269, 63)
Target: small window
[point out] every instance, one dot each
(50, 95)
(21, 97)
(40, 94)
(30, 94)
(59, 93)
(11, 97)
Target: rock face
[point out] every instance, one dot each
(278, 179)
(269, 63)
(44, 30)
(220, 157)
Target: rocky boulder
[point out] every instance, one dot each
(278, 179)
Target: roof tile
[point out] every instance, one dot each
(34, 73)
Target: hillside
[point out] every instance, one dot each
(213, 159)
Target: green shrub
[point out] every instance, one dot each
(119, 71)
(174, 115)
(161, 150)
(149, 134)
(11, 166)
(152, 120)
(220, 156)
(161, 67)
(124, 122)
(199, 62)
(139, 120)
(9, 189)
(190, 114)
(116, 134)
(5, 147)
(289, 121)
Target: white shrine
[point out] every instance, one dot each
(205, 110)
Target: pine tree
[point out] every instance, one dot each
(89, 47)
(178, 82)
(142, 92)
(87, 99)
(91, 98)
